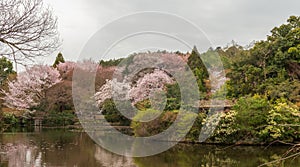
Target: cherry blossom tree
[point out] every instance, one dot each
(27, 90)
(144, 80)
(141, 90)
(66, 66)
(112, 88)
(60, 96)
(146, 85)
(84, 65)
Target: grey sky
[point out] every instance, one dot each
(221, 20)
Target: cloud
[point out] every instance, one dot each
(222, 21)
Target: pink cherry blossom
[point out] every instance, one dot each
(155, 81)
(66, 66)
(28, 88)
(143, 88)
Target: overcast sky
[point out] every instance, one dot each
(221, 20)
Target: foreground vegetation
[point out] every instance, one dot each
(253, 120)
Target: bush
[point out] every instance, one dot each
(253, 120)
(173, 97)
(226, 130)
(54, 119)
(112, 115)
(251, 117)
(164, 121)
(10, 119)
(194, 133)
(283, 123)
(259, 121)
(150, 128)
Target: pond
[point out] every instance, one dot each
(59, 147)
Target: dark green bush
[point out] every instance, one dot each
(251, 117)
(64, 118)
(10, 119)
(112, 115)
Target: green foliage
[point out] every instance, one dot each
(253, 120)
(193, 135)
(6, 68)
(112, 114)
(172, 104)
(15, 121)
(283, 123)
(144, 129)
(59, 59)
(143, 105)
(270, 65)
(164, 121)
(226, 130)
(111, 62)
(286, 89)
(201, 76)
(173, 97)
(56, 119)
(252, 113)
(259, 121)
(221, 93)
(10, 119)
(244, 80)
(197, 66)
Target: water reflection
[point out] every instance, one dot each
(63, 148)
(107, 158)
(21, 155)
(47, 148)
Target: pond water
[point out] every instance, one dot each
(58, 147)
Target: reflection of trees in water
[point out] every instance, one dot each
(210, 155)
(188, 155)
(107, 158)
(62, 148)
(52, 148)
(20, 155)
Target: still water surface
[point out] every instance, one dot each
(59, 148)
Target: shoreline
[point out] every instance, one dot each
(79, 129)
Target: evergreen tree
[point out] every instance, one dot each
(59, 59)
(6, 68)
(198, 68)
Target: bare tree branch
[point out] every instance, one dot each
(27, 30)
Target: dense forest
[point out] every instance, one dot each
(262, 83)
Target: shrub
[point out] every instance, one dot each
(10, 119)
(283, 123)
(253, 120)
(64, 118)
(252, 113)
(164, 121)
(226, 130)
(194, 133)
(161, 123)
(112, 115)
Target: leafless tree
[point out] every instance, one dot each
(28, 29)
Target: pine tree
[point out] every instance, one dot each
(59, 59)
